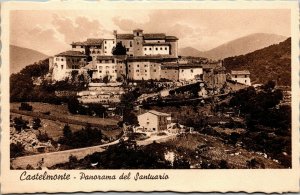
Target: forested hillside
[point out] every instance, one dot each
(270, 63)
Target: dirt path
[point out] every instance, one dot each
(54, 158)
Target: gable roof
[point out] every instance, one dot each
(71, 53)
(94, 41)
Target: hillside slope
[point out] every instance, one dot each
(21, 57)
(235, 47)
(270, 63)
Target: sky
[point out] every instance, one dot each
(52, 31)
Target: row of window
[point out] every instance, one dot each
(107, 72)
(145, 65)
(145, 48)
(144, 70)
(246, 76)
(107, 67)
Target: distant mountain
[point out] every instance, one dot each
(270, 63)
(235, 47)
(21, 57)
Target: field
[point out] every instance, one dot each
(59, 114)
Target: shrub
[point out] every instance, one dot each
(25, 106)
(16, 150)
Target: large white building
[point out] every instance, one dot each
(154, 121)
(241, 76)
(64, 63)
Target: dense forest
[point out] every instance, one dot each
(270, 63)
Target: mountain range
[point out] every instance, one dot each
(20, 57)
(235, 47)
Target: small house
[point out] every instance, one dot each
(241, 76)
(154, 121)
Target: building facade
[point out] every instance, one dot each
(64, 63)
(143, 44)
(241, 76)
(154, 121)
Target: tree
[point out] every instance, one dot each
(16, 150)
(119, 49)
(106, 79)
(20, 124)
(67, 132)
(36, 123)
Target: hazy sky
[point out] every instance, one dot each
(51, 32)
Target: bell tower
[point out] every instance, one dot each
(138, 40)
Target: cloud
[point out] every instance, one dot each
(77, 29)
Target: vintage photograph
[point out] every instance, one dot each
(150, 89)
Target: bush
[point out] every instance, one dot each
(25, 106)
(20, 124)
(16, 150)
(36, 123)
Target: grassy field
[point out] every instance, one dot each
(54, 128)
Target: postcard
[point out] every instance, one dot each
(146, 96)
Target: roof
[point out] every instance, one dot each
(94, 41)
(171, 38)
(154, 36)
(150, 44)
(71, 54)
(190, 65)
(78, 43)
(148, 36)
(158, 113)
(124, 36)
(234, 72)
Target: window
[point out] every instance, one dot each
(115, 70)
(106, 61)
(107, 67)
(150, 48)
(81, 46)
(100, 71)
(137, 43)
(127, 49)
(105, 47)
(138, 65)
(156, 48)
(98, 51)
(73, 46)
(145, 65)
(137, 34)
(161, 48)
(148, 123)
(137, 70)
(105, 52)
(120, 66)
(129, 70)
(145, 70)
(129, 65)
(113, 42)
(192, 70)
(105, 43)
(145, 49)
(235, 76)
(62, 66)
(130, 43)
(245, 76)
(154, 70)
(158, 41)
(62, 59)
(166, 48)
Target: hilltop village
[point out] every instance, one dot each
(131, 101)
(136, 57)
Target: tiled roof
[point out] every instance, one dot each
(234, 72)
(171, 38)
(71, 53)
(190, 65)
(158, 113)
(124, 36)
(94, 41)
(78, 43)
(154, 36)
(105, 57)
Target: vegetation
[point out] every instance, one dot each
(16, 150)
(119, 49)
(92, 109)
(87, 136)
(273, 62)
